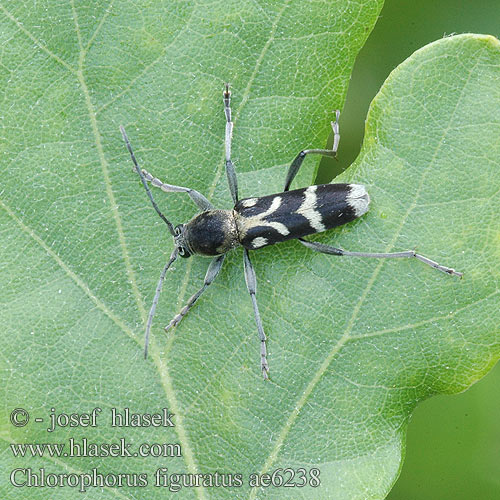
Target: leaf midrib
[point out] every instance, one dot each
(165, 378)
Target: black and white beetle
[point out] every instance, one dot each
(258, 222)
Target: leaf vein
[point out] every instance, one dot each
(32, 37)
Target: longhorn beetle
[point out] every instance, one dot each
(258, 222)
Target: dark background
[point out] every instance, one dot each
(453, 446)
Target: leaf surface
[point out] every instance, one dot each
(353, 344)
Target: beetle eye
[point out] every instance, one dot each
(184, 252)
(177, 230)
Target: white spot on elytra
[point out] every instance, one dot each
(308, 209)
(258, 220)
(358, 199)
(281, 228)
(249, 202)
(259, 242)
(276, 203)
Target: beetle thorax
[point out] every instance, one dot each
(211, 233)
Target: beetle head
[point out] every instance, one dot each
(180, 241)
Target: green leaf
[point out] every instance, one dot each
(353, 344)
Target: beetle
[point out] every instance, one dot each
(259, 222)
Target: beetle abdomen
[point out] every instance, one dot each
(293, 214)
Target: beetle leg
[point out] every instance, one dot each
(251, 281)
(155, 300)
(320, 247)
(230, 172)
(297, 162)
(197, 197)
(212, 272)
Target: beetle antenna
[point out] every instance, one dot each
(155, 300)
(144, 183)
